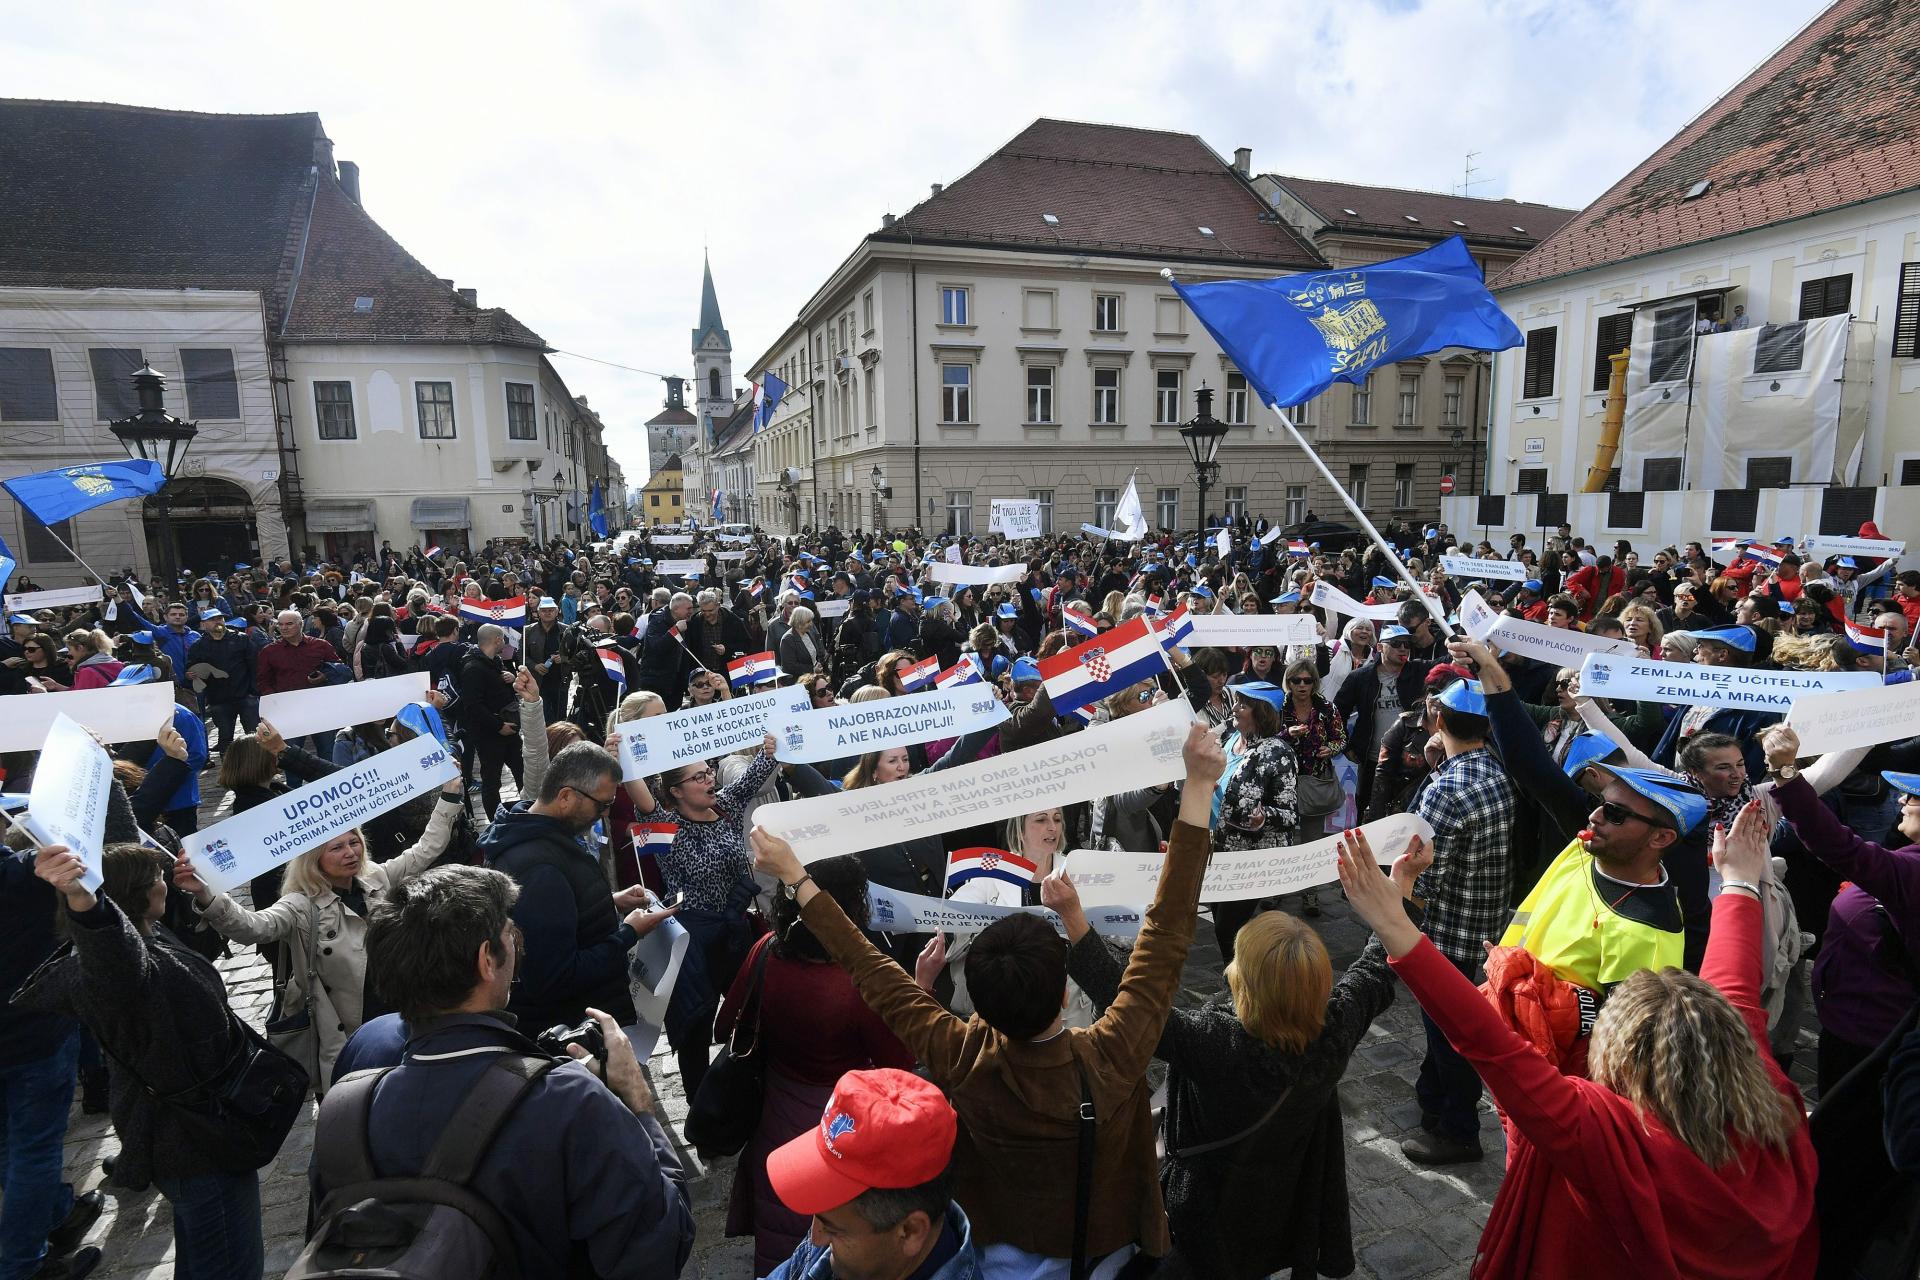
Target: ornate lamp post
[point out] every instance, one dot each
(1203, 435)
(157, 436)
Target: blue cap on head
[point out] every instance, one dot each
(1464, 695)
(1680, 799)
(934, 602)
(1264, 690)
(1907, 784)
(1006, 610)
(1786, 606)
(423, 719)
(1429, 531)
(1786, 542)
(1388, 583)
(238, 564)
(208, 615)
(1025, 670)
(1740, 638)
(1586, 749)
(1202, 590)
(1846, 562)
(1289, 597)
(999, 665)
(1192, 560)
(857, 556)
(137, 673)
(140, 637)
(27, 618)
(1393, 633)
(1532, 584)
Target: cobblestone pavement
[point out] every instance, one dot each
(1409, 1223)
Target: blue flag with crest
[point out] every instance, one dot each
(1295, 336)
(53, 496)
(597, 512)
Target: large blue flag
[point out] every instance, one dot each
(597, 512)
(1298, 335)
(52, 496)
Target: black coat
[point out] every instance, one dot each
(486, 701)
(727, 631)
(1358, 696)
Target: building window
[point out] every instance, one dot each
(1660, 475)
(1166, 507)
(1409, 410)
(866, 312)
(1106, 312)
(113, 370)
(1357, 483)
(1302, 413)
(713, 384)
(1550, 510)
(1530, 480)
(43, 541)
(1613, 335)
(1769, 473)
(1236, 415)
(1832, 296)
(1106, 397)
(434, 402)
(871, 385)
(1040, 393)
(1045, 498)
(1166, 395)
(1672, 356)
(1296, 503)
(1780, 348)
(1236, 501)
(212, 389)
(520, 424)
(960, 512)
(27, 390)
(1037, 308)
(1363, 401)
(1169, 318)
(1402, 485)
(653, 499)
(1627, 510)
(1906, 322)
(333, 410)
(1452, 395)
(1542, 345)
(1104, 501)
(953, 305)
(956, 393)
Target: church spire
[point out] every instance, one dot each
(710, 313)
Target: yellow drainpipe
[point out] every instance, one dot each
(1610, 426)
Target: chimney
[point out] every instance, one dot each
(886, 220)
(350, 180)
(937, 188)
(469, 296)
(1243, 161)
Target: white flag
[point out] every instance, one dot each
(1223, 542)
(1128, 514)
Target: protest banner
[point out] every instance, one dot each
(1240, 630)
(834, 733)
(27, 601)
(974, 575)
(1104, 877)
(672, 539)
(832, 608)
(1141, 750)
(1328, 596)
(652, 971)
(1485, 570)
(1606, 675)
(1534, 639)
(299, 712)
(127, 713)
(736, 537)
(729, 556)
(67, 803)
(701, 733)
(1878, 548)
(234, 851)
(1855, 718)
(683, 568)
(1271, 535)
(1096, 531)
(1014, 517)
(891, 911)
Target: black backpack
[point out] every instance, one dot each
(424, 1227)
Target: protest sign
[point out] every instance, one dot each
(700, 733)
(1606, 675)
(299, 712)
(974, 575)
(952, 555)
(1096, 531)
(652, 971)
(27, 601)
(1328, 596)
(672, 539)
(891, 911)
(831, 608)
(1141, 750)
(1878, 548)
(683, 568)
(728, 556)
(1486, 570)
(1856, 718)
(834, 733)
(736, 537)
(67, 803)
(1239, 630)
(1533, 639)
(1271, 535)
(1102, 876)
(128, 713)
(1014, 517)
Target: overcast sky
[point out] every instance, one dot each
(570, 161)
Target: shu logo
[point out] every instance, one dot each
(840, 1126)
(220, 854)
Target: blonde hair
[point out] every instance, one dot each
(1808, 653)
(869, 693)
(303, 870)
(96, 640)
(1280, 979)
(1655, 632)
(634, 705)
(1671, 1044)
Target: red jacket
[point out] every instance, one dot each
(1596, 1188)
(1587, 579)
(283, 667)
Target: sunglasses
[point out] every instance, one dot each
(1619, 815)
(1304, 681)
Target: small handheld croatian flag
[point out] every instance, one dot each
(653, 839)
(1866, 639)
(961, 672)
(613, 662)
(511, 612)
(1764, 554)
(1078, 620)
(921, 674)
(1299, 549)
(1176, 627)
(988, 864)
(53, 496)
(766, 398)
(1121, 658)
(1295, 336)
(751, 670)
(1727, 546)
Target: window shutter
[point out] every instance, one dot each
(1550, 510)
(1626, 510)
(1660, 475)
(1780, 348)
(1734, 511)
(1531, 480)
(1843, 510)
(1910, 471)
(1542, 344)
(1769, 473)
(1906, 322)
(1832, 296)
(1493, 509)
(1614, 335)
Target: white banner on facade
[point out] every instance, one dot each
(1857, 718)
(700, 733)
(833, 733)
(1102, 876)
(300, 712)
(1878, 548)
(974, 575)
(1241, 630)
(1141, 750)
(891, 911)
(1534, 639)
(1014, 517)
(1328, 596)
(67, 803)
(684, 568)
(1470, 568)
(831, 608)
(27, 601)
(129, 713)
(1608, 676)
(234, 851)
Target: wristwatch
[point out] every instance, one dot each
(1787, 772)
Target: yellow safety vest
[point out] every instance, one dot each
(1569, 926)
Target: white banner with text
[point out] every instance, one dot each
(974, 575)
(1534, 639)
(67, 803)
(1647, 680)
(834, 733)
(700, 733)
(1328, 596)
(1857, 718)
(1485, 570)
(891, 911)
(1243, 630)
(1014, 517)
(299, 712)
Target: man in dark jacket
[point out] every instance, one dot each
(541, 649)
(1376, 694)
(715, 633)
(220, 666)
(665, 663)
(488, 713)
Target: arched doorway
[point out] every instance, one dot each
(213, 525)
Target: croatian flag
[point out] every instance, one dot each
(1866, 639)
(988, 864)
(745, 672)
(1121, 658)
(653, 838)
(1770, 556)
(505, 613)
(1153, 606)
(921, 674)
(1299, 548)
(719, 507)
(1176, 627)
(432, 551)
(1078, 621)
(961, 672)
(612, 662)
(1726, 546)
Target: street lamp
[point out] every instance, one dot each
(157, 436)
(1203, 436)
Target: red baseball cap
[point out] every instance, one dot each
(882, 1128)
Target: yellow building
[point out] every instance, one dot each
(661, 501)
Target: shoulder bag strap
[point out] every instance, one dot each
(751, 1002)
(462, 1144)
(341, 1154)
(1200, 1149)
(1082, 1172)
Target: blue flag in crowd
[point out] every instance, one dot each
(7, 564)
(597, 512)
(1298, 335)
(766, 398)
(52, 496)
(719, 508)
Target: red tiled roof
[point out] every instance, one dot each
(1116, 191)
(1384, 210)
(672, 418)
(1831, 119)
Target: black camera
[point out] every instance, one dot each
(554, 1040)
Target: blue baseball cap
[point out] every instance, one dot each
(1532, 584)
(1006, 610)
(1845, 562)
(1389, 583)
(1264, 690)
(423, 719)
(1025, 670)
(137, 673)
(140, 637)
(27, 618)
(1394, 633)
(208, 615)
(934, 602)
(1465, 696)
(1907, 784)
(1585, 750)
(1288, 597)
(1786, 606)
(1736, 637)
(240, 564)
(1680, 799)
(1202, 590)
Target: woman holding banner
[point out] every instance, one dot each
(1254, 804)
